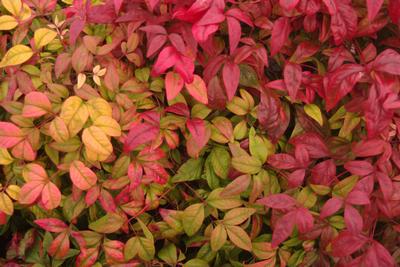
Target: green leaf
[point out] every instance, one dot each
(168, 254)
(247, 164)
(260, 147)
(211, 177)
(141, 246)
(238, 237)
(196, 263)
(190, 170)
(192, 218)
(344, 187)
(220, 160)
(107, 224)
(218, 237)
(237, 216)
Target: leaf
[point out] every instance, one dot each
(16, 55)
(278, 201)
(60, 246)
(34, 172)
(7, 23)
(6, 205)
(196, 263)
(231, 76)
(12, 6)
(108, 125)
(52, 225)
(74, 113)
(30, 192)
(347, 243)
(197, 128)
(59, 130)
(220, 161)
(343, 22)
(43, 37)
(36, 104)
(292, 77)
(10, 135)
(259, 146)
(246, 164)
(139, 246)
(139, 134)
(280, 34)
(283, 228)
(51, 196)
(192, 218)
(235, 31)
(197, 89)
(173, 84)
(218, 237)
(237, 216)
(331, 206)
(288, 4)
(373, 7)
(82, 177)
(109, 223)
(238, 237)
(304, 220)
(5, 157)
(215, 200)
(343, 188)
(98, 107)
(353, 219)
(314, 112)
(388, 61)
(97, 141)
(237, 186)
(190, 170)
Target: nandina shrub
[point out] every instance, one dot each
(200, 133)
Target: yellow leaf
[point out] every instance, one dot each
(314, 112)
(92, 156)
(12, 6)
(25, 13)
(7, 23)
(6, 204)
(74, 113)
(98, 107)
(13, 191)
(16, 56)
(5, 157)
(97, 141)
(108, 125)
(43, 36)
(59, 130)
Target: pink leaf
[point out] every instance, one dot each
(353, 220)
(166, 59)
(388, 61)
(359, 167)
(235, 31)
(185, 67)
(278, 201)
(117, 5)
(60, 246)
(82, 177)
(52, 225)
(173, 84)
(139, 134)
(373, 7)
(282, 161)
(283, 228)
(343, 22)
(288, 4)
(198, 89)
(155, 43)
(231, 76)
(197, 128)
(292, 76)
(280, 34)
(346, 243)
(76, 28)
(152, 3)
(304, 220)
(368, 148)
(10, 135)
(296, 178)
(330, 207)
(358, 197)
(331, 5)
(30, 192)
(51, 196)
(385, 185)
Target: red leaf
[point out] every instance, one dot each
(283, 228)
(165, 60)
(353, 219)
(214, 15)
(385, 185)
(346, 243)
(52, 225)
(278, 201)
(60, 246)
(378, 255)
(10, 135)
(330, 207)
(155, 43)
(388, 61)
(231, 75)
(173, 84)
(394, 11)
(292, 76)
(304, 220)
(359, 167)
(198, 89)
(235, 31)
(296, 178)
(343, 22)
(152, 3)
(139, 134)
(303, 52)
(313, 143)
(368, 148)
(107, 201)
(185, 67)
(282, 161)
(288, 4)
(373, 7)
(323, 173)
(117, 5)
(331, 5)
(75, 29)
(280, 33)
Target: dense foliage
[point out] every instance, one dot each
(200, 133)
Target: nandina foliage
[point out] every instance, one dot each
(200, 133)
